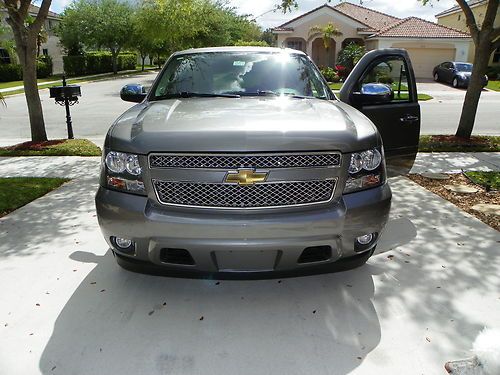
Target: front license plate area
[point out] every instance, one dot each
(246, 260)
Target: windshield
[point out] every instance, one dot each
(240, 73)
(464, 67)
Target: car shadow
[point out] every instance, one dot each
(119, 322)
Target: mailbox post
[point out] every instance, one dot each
(66, 95)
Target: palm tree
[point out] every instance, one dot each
(327, 32)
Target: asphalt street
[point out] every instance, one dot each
(100, 105)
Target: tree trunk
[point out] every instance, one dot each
(27, 58)
(471, 102)
(143, 57)
(114, 59)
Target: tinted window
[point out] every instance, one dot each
(242, 73)
(392, 72)
(461, 67)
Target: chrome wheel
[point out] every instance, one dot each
(436, 77)
(455, 82)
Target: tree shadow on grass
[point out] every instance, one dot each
(118, 322)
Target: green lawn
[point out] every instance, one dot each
(58, 147)
(403, 96)
(489, 180)
(6, 85)
(15, 192)
(450, 143)
(493, 85)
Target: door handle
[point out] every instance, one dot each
(409, 118)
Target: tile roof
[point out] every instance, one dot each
(457, 7)
(414, 27)
(284, 26)
(372, 18)
(33, 9)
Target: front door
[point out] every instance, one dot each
(397, 119)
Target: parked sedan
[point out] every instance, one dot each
(456, 73)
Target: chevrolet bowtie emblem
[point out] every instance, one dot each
(245, 177)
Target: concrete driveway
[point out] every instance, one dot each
(67, 308)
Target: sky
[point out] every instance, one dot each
(398, 8)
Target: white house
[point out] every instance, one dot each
(427, 42)
(51, 47)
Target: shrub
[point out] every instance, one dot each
(255, 43)
(97, 62)
(342, 72)
(10, 72)
(127, 61)
(493, 73)
(329, 73)
(350, 55)
(74, 65)
(385, 79)
(44, 66)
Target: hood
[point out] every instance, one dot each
(241, 125)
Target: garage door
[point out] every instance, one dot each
(425, 59)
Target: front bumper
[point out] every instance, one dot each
(226, 242)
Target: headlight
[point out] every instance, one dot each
(365, 170)
(367, 160)
(119, 162)
(123, 172)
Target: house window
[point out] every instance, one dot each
(45, 52)
(295, 44)
(496, 55)
(4, 56)
(459, 17)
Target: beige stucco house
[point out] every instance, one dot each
(427, 43)
(454, 17)
(51, 47)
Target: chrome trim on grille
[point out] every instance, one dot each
(326, 159)
(331, 181)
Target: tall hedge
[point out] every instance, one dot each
(97, 62)
(14, 72)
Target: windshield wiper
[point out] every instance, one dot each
(260, 93)
(188, 94)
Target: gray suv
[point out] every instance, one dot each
(241, 161)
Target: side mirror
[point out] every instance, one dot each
(133, 92)
(374, 93)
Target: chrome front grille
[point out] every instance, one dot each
(261, 195)
(256, 161)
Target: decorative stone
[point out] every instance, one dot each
(463, 189)
(486, 208)
(435, 176)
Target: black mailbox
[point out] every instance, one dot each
(70, 92)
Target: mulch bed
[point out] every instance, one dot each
(464, 201)
(35, 146)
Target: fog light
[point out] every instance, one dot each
(123, 243)
(365, 240)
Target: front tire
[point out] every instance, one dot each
(436, 77)
(455, 83)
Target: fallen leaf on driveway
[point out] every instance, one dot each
(151, 312)
(428, 339)
(201, 318)
(103, 290)
(390, 257)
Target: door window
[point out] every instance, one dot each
(392, 72)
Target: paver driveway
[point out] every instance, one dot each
(67, 308)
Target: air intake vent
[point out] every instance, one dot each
(315, 254)
(176, 256)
